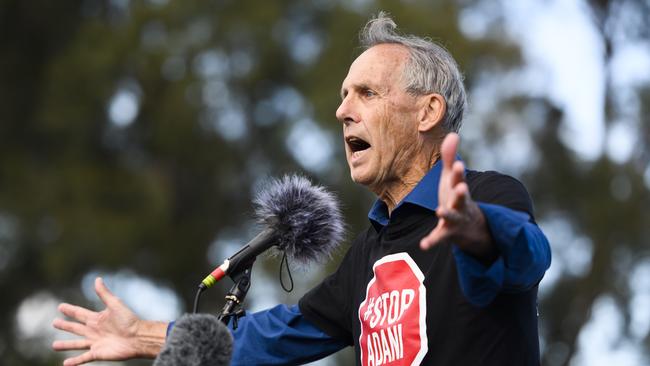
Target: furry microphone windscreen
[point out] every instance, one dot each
(306, 219)
(196, 340)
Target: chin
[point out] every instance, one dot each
(359, 178)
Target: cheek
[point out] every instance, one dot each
(396, 132)
(386, 129)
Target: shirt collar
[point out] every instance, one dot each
(425, 194)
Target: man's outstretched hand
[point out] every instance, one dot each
(115, 333)
(460, 220)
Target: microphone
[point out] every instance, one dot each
(299, 219)
(196, 340)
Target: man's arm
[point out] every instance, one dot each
(280, 336)
(524, 256)
(113, 334)
(496, 248)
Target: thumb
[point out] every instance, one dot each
(448, 150)
(104, 293)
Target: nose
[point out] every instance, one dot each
(346, 112)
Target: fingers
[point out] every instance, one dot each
(71, 327)
(434, 237)
(103, 292)
(78, 360)
(457, 201)
(76, 312)
(457, 173)
(454, 170)
(448, 150)
(70, 345)
(450, 217)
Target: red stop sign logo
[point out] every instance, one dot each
(393, 314)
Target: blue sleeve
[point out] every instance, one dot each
(279, 336)
(525, 255)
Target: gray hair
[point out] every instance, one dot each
(430, 68)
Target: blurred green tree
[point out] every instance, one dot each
(133, 133)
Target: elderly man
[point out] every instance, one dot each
(447, 272)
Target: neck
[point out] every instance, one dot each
(392, 193)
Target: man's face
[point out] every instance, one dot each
(379, 118)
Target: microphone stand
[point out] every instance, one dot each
(235, 297)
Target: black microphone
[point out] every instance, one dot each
(196, 340)
(301, 220)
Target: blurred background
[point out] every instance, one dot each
(134, 134)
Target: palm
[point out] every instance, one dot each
(111, 332)
(107, 335)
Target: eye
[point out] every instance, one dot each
(368, 93)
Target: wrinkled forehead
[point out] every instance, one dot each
(383, 62)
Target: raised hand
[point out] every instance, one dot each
(460, 220)
(114, 333)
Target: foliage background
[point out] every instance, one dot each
(134, 134)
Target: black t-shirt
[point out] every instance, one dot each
(400, 305)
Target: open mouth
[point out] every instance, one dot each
(356, 144)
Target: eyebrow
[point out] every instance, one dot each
(361, 86)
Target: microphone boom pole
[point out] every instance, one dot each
(235, 297)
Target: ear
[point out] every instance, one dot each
(432, 112)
